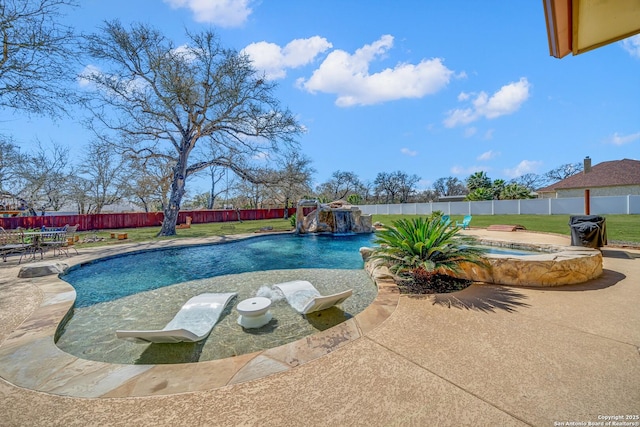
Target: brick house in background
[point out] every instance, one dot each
(614, 178)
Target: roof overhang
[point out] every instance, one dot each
(577, 26)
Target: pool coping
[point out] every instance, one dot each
(23, 352)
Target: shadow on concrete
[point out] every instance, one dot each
(608, 278)
(485, 298)
(620, 254)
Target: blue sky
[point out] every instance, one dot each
(433, 88)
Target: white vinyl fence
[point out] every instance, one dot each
(564, 206)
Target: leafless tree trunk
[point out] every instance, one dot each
(162, 100)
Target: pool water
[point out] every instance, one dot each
(500, 250)
(118, 277)
(145, 290)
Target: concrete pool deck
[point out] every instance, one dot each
(488, 355)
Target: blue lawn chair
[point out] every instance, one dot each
(465, 222)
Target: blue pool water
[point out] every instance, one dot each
(114, 278)
(144, 291)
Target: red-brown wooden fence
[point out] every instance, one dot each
(139, 219)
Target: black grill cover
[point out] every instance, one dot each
(588, 230)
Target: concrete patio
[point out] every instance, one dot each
(488, 355)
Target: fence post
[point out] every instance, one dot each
(587, 202)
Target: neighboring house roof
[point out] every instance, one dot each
(606, 174)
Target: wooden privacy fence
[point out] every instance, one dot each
(111, 221)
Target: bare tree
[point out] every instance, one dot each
(251, 194)
(339, 186)
(79, 191)
(105, 172)
(395, 184)
(9, 157)
(293, 179)
(166, 98)
(564, 171)
(532, 181)
(40, 179)
(449, 186)
(216, 173)
(36, 51)
(149, 183)
(427, 195)
(407, 185)
(367, 189)
(386, 186)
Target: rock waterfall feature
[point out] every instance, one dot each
(337, 217)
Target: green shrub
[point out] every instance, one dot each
(419, 248)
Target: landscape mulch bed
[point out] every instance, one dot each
(438, 284)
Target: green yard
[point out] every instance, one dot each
(620, 228)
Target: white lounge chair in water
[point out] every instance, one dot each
(305, 298)
(192, 323)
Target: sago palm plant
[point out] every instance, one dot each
(420, 248)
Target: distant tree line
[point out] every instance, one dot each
(50, 179)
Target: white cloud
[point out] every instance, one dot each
(348, 76)
(187, 53)
(505, 101)
(274, 60)
(260, 156)
(524, 167)
(616, 139)
(92, 73)
(469, 132)
(224, 13)
(488, 155)
(463, 96)
(489, 134)
(408, 152)
(632, 45)
(85, 75)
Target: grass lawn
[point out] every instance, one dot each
(620, 228)
(146, 234)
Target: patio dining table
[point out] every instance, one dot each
(43, 240)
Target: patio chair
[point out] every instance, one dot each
(13, 242)
(192, 323)
(71, 236)
(465, 222)
(446, 220)
(54, 238)
(305, 298)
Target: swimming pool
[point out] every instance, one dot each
(144, 291)
(109, 279)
